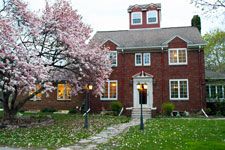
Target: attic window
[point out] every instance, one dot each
(152, 17)
(136, 18)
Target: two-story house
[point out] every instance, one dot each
(169, 60)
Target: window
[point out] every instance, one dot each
(214, 92)
(146, 59)
(113, 58)
(178, 56)
(110, 90)
(64, 91)
(37, 96)
(138, 59)
(152, 17)
(136, 18)
(179, 89)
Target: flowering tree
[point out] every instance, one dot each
(47, 47)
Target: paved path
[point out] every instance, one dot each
(92, 142)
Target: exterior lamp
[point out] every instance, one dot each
(88, 88)
(141, 87)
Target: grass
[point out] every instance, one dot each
(172, 134)
(67, 130)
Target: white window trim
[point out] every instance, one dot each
(210, 99)
(108, 84)
(156, 17)
(136, 59)
(178, 80)
(132, 23)
(62, 99)
(35, 96)
(115, 65)
(146, 64)
(178, 63)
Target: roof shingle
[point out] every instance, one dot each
(149, 37)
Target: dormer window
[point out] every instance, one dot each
(113, 58)
(152, 17)
(136, 18)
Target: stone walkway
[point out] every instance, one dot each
(92, 142)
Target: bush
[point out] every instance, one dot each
(50, 110)
(116, 107)
(73, 111)
(167, 108)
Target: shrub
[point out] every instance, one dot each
(167, 108)
(116, 107)
(51, 110)
(73, 111)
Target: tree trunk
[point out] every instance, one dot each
(9, 116)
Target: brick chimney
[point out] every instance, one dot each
(144, 16)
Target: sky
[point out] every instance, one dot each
(105, 15)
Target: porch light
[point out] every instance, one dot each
(90, 87)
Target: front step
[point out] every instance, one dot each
(136, 113)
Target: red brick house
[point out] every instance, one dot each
(169, 60)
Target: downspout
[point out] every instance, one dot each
(162, 72)
(200, 76)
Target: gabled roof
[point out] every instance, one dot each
(147, 38)
(214, 75)
(144, 6)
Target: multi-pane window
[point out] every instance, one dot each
(152, 17)
(136, 18)
(37, 96)
(113, 58)
(110, 90)
(146, 59)
(178, 56)
(179, 89)
(63, 91)
(138, 59)
(214, 92)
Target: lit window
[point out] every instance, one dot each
(37, 96)
(152, 17)
(178, 89)
(178, 56)
(110, 90)
(138, 59)
(136, 18)
(146, 59)
(113, 58)
(64, 92)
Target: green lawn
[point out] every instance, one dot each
(67, 130)
(171, 134)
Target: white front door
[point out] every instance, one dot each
(147, 98)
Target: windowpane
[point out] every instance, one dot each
(38, 96)
(113, 58)
(68, 91)
(113, 86)
(152, 16)
(182, 56)
(220, 91)
(136, 18)
(213, 91)
(60, 91)
(207, 91)
(146, 58)
(173, 56)
(183, 89)
(174, 89)
(138, 58)
(105, 91)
